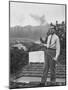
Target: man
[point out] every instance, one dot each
(51, 55)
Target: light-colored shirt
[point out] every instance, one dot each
(55, 43)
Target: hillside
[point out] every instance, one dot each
(30, 32)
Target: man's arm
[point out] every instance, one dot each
(57, 48)
(42, 41)
(48, 41)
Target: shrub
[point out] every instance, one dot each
(18, 59)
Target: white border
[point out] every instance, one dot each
(4, 40)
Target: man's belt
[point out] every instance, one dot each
(51, 52)
(51, 48)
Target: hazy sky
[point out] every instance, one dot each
(20, 13)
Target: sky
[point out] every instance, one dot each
(20, 13)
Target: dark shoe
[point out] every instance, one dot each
(41, 85)
(53, 84)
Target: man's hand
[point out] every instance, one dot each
(45, 45)
(55, 58)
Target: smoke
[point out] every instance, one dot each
(41, 20)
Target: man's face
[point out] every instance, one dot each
(52, 31)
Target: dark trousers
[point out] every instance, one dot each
(49, 64)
